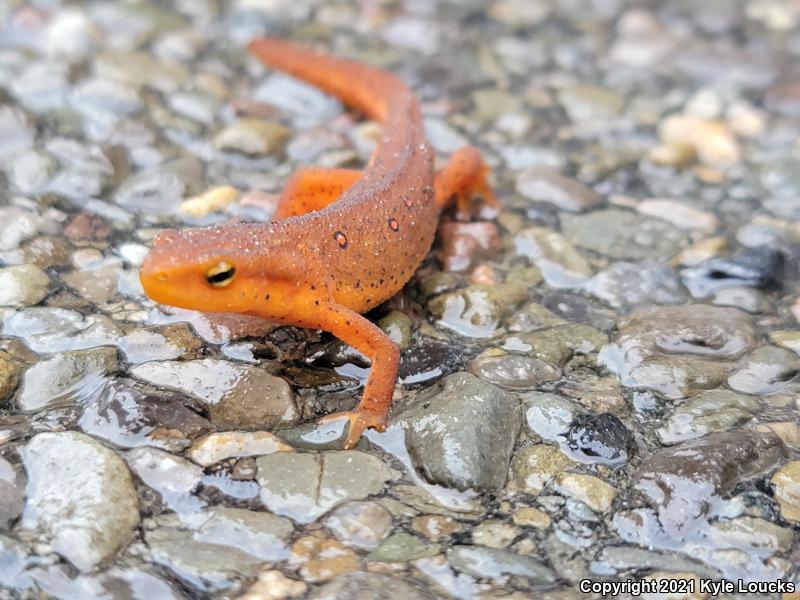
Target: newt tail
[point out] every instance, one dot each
(341, 241)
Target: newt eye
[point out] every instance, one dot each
(221, 274)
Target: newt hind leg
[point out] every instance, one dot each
(312, 189)
(365, 336)
(462, 178)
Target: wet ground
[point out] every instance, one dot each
(601, 383)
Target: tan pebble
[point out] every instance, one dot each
(215, 447)
(274, 585)
(436, 527)
(788, 431)
(321, 559)
(702, 250)
(532, 517)
(494, 534)
(212, 201)
(679, 214)
(786, 483)
(592, 491)
(714, 142)
(672, 155)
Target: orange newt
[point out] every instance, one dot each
(341, 241)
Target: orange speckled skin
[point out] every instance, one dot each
(342, 241)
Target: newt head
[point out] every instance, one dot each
(216, 269)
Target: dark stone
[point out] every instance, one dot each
(602, 439)
(761, 268)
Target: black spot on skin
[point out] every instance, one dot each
(341, 239)
(316, 302)
(266, 296)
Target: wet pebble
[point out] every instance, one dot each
(361, 585)
(12, 493)
(595, 493)
(210, 549)
(219, 446)
(68, 378)
(173, 477)
(750, 267)
(548, 415)
(560, 263)
(403, 547)
(159, 190)
(252, 136)
(16, 132)
(463, 244)
(623, 235)
(748, 299)
(513, 371)
(708, 412)
(680, 214)
(466, 417)
(686, 483)
(498, 565)
(765, 370)
(543, 184)
(476, 311)
(626, 285)
(535, 467)
(321, 559)
(127, 416)
(238, 396)
(601, 439)
(23, 285)
(80, 497)
(274, 585)
(306, 486)
(786, 483)
(360, 524)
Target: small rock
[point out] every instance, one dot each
(548, 415)
(252, 136)
(543, 184)
(601, 439)
(715, 144)
(531, 517)
(436, 528)
(67, 378)
(623, 235)
(626, 285)
(708, 412)
(403, 547)
(397, 325)
(174, 478)
(560, 263)
(239, 396)
(786, 483)
(463, 244)
(512, 371)
(362, 525)
(23, 285)
(680, 214)
(12, 494)
(747, 299)
(159, 190)
(766, 370)
(476, 311)
(306, 486)
(686, 482)
(16, 133)
(462, 416)
(322, 559)
(590, 104)
(214, 200)
(592, 491)
(274, 585)
(497, 565)
(534, 467)
(494, 534)
(80, 496)
(359, 585)
(218, 446)
(750, 267)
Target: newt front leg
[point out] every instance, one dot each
(366, 337)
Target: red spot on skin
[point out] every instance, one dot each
(393, 224)
(341, 239)
(408, 201)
